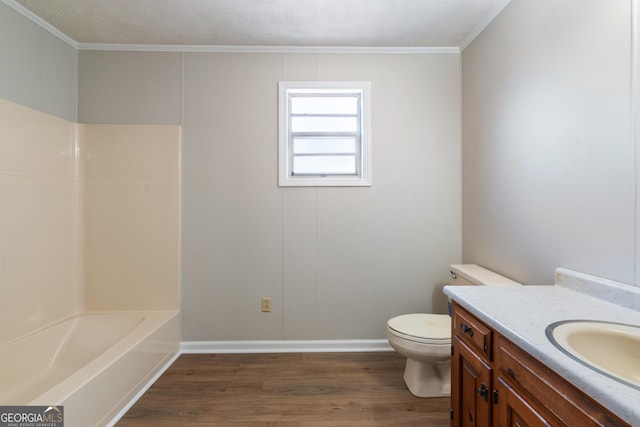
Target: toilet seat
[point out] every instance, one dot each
(424, 328)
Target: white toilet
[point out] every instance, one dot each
(425, 339)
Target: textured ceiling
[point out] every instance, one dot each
(366, 23)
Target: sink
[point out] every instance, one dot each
(612, 349)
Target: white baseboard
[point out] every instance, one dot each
(286, 346)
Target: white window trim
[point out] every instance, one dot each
(285, 179)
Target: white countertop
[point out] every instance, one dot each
(522, 313)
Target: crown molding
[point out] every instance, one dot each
(265, 49)
(483, 24)
(40, 22)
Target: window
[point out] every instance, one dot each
(324, 135)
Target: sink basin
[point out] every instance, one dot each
(612, 349)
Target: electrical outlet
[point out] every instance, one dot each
(266, 304)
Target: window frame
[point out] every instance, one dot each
(362, 176)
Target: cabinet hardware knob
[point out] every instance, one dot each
(466, 329)
(511, 373)
(483, 391)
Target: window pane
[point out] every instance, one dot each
(324, 133)
(324, 145)
(321, 165)
(324, 105)
(324, 124)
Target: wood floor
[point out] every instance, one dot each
(286, 389)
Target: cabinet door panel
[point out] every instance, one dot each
(514, 411)
(536, 381)
(471, 388)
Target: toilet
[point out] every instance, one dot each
(425, 339)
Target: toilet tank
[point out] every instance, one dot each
(472, 274)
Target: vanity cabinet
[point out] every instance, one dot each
(494, 383)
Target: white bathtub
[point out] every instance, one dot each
(94, 363)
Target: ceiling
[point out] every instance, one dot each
(346, 23)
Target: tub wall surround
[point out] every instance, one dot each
(90, 218)
(40, 241)
(90, 223)
(130, 196)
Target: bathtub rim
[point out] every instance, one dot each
(152, 321)
(73, 316)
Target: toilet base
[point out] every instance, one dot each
(428, 379)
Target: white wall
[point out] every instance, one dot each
(37, 69)
(548, 166)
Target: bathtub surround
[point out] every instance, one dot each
(89, 218)
(40, 224)
(131, 216)
(89, 224)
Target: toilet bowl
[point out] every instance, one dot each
(425, 339)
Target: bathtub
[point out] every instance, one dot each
(94, 364)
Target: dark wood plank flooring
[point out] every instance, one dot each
(286, 389)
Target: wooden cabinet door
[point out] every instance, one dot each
(513, 411)
(470, 388)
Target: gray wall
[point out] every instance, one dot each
(337, 262)
(129, 87)
(548, 165)
(37, 69)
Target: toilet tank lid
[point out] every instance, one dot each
(480, 276)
